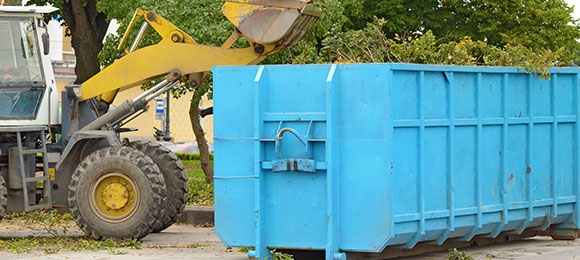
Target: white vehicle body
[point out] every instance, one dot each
(28, 92)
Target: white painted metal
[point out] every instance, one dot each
(38, 10)
(51, 95)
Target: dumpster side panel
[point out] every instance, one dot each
(294, 201)
(483, 149)
(424, 153)
(364, 146)
(233, 157)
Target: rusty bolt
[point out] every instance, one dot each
(258, 48)
(176, 38)
(151, 16)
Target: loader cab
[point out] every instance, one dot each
(28, 94)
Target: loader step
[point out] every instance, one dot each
(32, 151)
(37, 179)
(39, 206)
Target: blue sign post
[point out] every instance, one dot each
(159, 109)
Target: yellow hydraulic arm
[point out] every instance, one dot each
(270, 26)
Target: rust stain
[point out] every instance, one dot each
(281, 134)
(511, 177)
(151, 17)
(528, 170)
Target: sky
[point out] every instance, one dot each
(576, 3)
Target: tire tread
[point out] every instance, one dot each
(175, 178)
(151, 173)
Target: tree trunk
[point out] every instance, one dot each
(87, 27)
(10, 2)
(206, 165)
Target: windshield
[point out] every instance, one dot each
(19, 59)
(21, 79)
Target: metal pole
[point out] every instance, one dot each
(139, 37)
(161, 91)
(167, 135)
(151, 90)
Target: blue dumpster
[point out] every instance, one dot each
(364, 157)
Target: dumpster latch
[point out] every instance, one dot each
(294, 165)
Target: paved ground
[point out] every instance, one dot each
(544, 248)
(173, 243)
(192, 243)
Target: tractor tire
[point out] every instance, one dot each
(3, 198)
(117, 193)
(175, 180)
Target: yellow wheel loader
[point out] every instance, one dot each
(113, 190)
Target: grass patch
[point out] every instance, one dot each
(200, 193)
(193, 168)
(195, 164)
(197, 174)
(244, 249)
(455, 254)
(191, 156)
(281, 256)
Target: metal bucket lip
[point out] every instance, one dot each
(288, 33)
(294, 4)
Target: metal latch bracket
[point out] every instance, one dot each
(294, 165)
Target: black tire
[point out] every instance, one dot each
(175, 178)
(91, 174)
(3, 197)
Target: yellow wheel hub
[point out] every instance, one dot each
(114, 197)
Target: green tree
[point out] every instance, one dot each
(372, 45)
(536, 24)
(86, 23)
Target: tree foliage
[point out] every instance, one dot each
(534, 33)
(87, 24)
(372, 45)
(199, 18)
(535, 24)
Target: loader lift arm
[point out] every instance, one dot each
(270, 26)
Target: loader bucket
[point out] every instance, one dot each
(272, 21)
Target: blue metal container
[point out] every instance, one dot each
(361, 157)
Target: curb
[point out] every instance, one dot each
(197, 216)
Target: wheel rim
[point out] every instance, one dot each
(114, 197)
